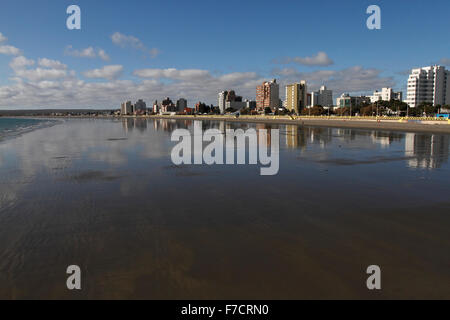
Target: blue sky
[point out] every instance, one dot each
(196, 48)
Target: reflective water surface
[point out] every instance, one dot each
(104, 195)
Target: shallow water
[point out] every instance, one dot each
(104, 195)
(13, 127)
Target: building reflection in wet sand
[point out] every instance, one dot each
(424, 150)
(429, 151)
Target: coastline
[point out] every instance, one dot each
(396, 124)
(391, 125)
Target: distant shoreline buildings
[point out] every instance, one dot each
(425, 85)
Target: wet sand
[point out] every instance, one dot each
(438, 126)
(103, 194)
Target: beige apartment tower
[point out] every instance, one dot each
(296, 96)
(268, 95)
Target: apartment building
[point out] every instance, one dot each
(386, 94)
(345, 100)
(229, 99)
(428, 84)
(140, 107)
(268, 95)
(323, 97)
(296, 96)
(126, 108)
(181, 104)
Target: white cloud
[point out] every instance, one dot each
(70, 92)
(39, 74)
(320, 59)
(238, 76)
(198, 84)
(103, 55)
(353, 80)
(53, 64)
(9, 50)
(83, 53)
(125, 41)
(107, 72)
(20, 63)
(47, 69)
(171, 73)
(128, 41)
(154, 52)
(8, 92)
(3, 38)
(50, 83)
(89, 52)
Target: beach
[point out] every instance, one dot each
(104, 194)
(412, 124)
(438, 126)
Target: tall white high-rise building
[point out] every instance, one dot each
(323, 97)
(428, 84)
(222, 101)
(126, 108)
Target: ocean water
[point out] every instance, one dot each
(104, 195)
(11, 127)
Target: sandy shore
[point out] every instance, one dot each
(424, 126)
(391, 125)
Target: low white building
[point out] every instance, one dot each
(348, 101)
(386, 94)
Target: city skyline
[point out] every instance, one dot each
(173, 49)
